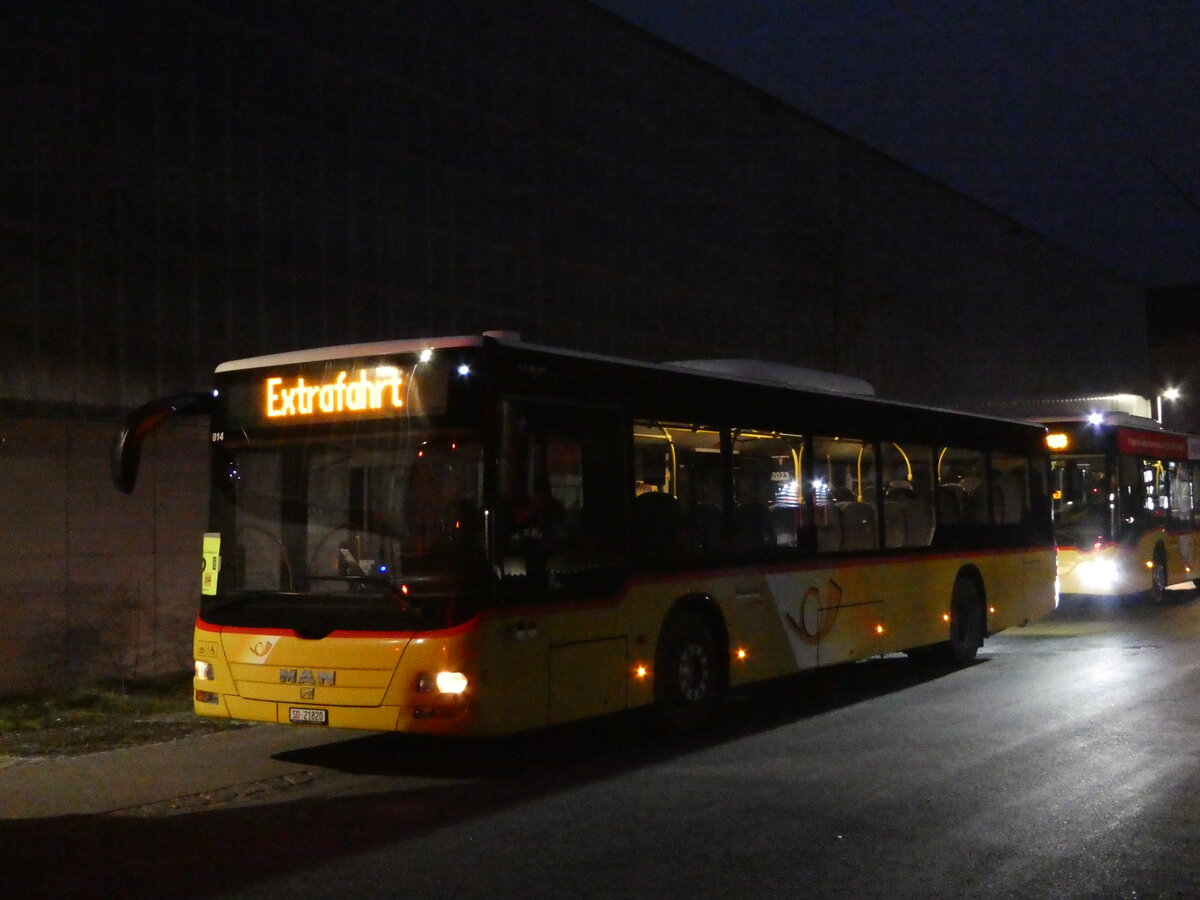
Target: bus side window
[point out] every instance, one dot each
(770, 508)
(1010, 489)
(962, 495)
(907, 476)
(678, 510)
(563, 503)
(844, 494)
(1183, 497)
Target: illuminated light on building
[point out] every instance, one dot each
(344, 394)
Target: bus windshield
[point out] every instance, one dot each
(1083, 501)
(378, 529)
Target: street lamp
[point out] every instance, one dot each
(1171, 393)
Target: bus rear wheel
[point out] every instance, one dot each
(688, 677)
(966, 622)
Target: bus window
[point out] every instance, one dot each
(1010, 489)
(562, 502)
(962, 488)
(907, 476)
(1182, 492)
(679, 493)
(1157, 496)
(1133, 501)
(1082, 500)
(844, 494)
(769, 508)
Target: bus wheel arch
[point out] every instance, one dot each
(691, 664)
(968, 616)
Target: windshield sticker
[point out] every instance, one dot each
(210, 563)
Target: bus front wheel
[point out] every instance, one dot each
(1158, 575)
(687, 673)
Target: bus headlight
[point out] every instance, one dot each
(204, 670)
(1098, 574)
(442, 682)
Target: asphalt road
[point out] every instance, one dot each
(1063, 764)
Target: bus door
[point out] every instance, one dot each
(559, 548)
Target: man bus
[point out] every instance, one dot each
(1124, 502)
(474, 535)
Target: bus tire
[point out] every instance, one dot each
(966, 622)
(688, 677)
(1158, 576)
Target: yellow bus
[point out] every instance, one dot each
(475, 535)
(1124, 504)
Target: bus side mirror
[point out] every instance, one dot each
(127, 448)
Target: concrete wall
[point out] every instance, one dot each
(96, 585)
(197, 182)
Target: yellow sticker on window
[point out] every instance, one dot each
(210, 563)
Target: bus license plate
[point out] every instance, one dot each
(300, 716)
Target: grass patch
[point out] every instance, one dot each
(107, 717)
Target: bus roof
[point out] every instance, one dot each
(774, 375)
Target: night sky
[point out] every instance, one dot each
(1079, 120)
